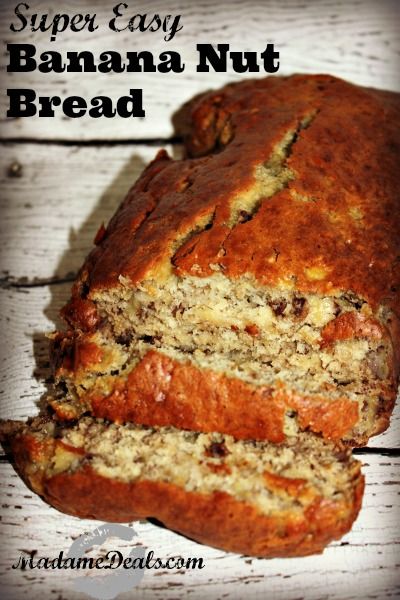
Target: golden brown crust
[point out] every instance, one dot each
(350, 325)
(225, 523)
(334, 228)
(345, 172)
(216, 519)
(163, 391)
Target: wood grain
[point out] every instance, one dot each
(361, 565)
(356, 40)
(52, 211)
(55, 195)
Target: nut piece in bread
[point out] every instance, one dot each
(252, 288)
(255, 498)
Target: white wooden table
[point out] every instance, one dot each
(61, 178)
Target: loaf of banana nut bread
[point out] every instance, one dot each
(235, 330)
(252, 289)
(256, 498)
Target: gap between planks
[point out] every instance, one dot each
(23, 282)
(154, 141)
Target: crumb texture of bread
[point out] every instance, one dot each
(236, 328)
(295, 497)
(218, 340)
(265, 262)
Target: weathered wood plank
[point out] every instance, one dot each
(48, 220)
(361, 565)
(26, 315)
(355, 40)
(51, 212)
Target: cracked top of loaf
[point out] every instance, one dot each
(291, 180)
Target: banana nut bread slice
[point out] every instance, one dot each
(253, 287)
(257, 498)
